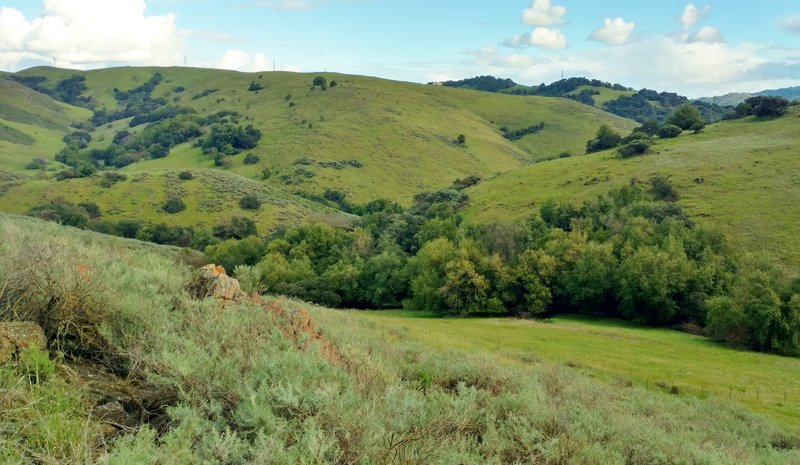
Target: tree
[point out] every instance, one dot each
(685, 117)
(764, 106)
(633, 148)
(606, 138)
(461, 139)
(669, 131)
(237, 227)
(320, 81)
(232, 253)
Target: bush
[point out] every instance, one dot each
(185, 175)
(669, 131)
(236, 228)
(606, 138)
(251, 159)
(250, 202)
(173, 205)
(634, 147)
(320, 81)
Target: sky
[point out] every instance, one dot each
(693, 48)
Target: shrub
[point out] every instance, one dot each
(112, 177)
(668, 131)
(254, 86)
(91, 208)
(633, 148)
(251, 159)
(461, 139)
(236, 228)
(606, 138)
(250, 202)
(173, 205)
(185, 175)
(320, 81)
(36, 164)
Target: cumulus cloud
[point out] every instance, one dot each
(707, 34)
(692, 14)
(613, 32)
(791, 24)
(239, 60)
(540, 37)
(541, 13)
(89, 33)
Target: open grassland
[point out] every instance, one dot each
(750, 189)
(616, 351)
(229, 384)
(211, 197)
(390, 127)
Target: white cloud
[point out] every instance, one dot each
(239, 60)
(540, 37)
(541, 13)
(692, 14)
(613, 32)
(693, 69)
(706, 34)
(791, 24)
(89, 33)
(287, 5)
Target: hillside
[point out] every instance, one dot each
(386, 127)
(31, 124)
(157, 369)
(749, 170)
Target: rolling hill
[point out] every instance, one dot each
(748, 167)
(388, 127)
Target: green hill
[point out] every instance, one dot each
(388, 127)
(148, 368)
(31, 124)
(749, 170)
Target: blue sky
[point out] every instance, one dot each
(694, 48)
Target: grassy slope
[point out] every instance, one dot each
(613, 350)
(41, 119)
(240, 392)
(606, 94)
(389, 126)
(750, 169)
(211, 198)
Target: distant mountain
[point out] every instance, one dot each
(789, 93)
(620, 100)
(733, 99)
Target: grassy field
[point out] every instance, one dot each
(388, 126)
(211, 197)
(750, 190)
(612, 351)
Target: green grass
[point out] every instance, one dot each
(606, 94)
(612, 350)
(211, 198)
(239, 388)
(750, 190)
(391, 127)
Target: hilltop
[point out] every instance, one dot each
(733, 99)
(642, 105)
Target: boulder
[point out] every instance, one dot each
(212, 281)
(19, 335)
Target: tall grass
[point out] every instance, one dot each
(237, 391)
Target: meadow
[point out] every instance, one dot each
(661, 360)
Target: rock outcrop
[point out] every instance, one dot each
(19, 335)
(212, 281)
